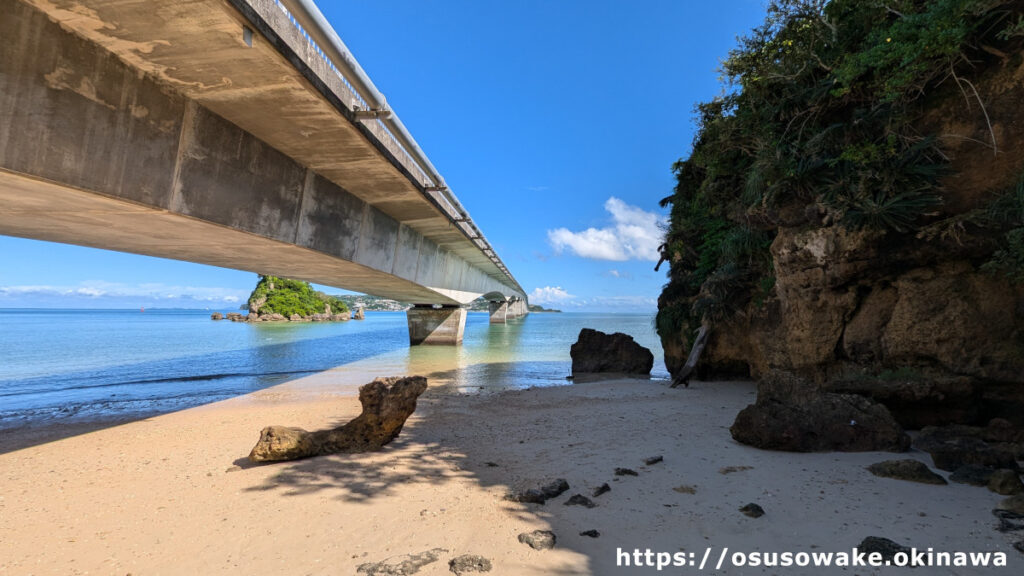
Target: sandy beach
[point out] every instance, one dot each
(174, 494)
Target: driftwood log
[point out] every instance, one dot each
(387, 403)
(683, 377)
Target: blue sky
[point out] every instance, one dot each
(555, 123)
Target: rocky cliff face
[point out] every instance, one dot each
(910, 319)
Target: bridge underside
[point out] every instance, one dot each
(196, 146)
(42, 210)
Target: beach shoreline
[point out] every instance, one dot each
(175, 493)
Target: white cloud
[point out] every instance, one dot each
(635, 235)
(550, 295)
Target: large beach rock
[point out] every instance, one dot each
(793, 415)
(387, 403)
(595, 351)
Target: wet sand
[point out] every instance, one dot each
(174, 494)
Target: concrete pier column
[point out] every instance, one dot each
(517, 308)
(429, 325)
(498, 311)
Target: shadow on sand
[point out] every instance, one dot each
(431, 451)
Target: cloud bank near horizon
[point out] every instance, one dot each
(98, 293)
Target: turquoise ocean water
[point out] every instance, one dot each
(93, 365)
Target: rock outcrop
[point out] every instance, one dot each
(595, 351)
(796, 416)
(387, 403)
(911, 320)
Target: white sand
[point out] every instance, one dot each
(157, 497)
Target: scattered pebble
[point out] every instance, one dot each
(403, 565)
(752, 510)
(654, 460)
(887, 548)
(686, 489)
(603, 488)
(591, 533)
(731, 469)
(538, 539)
(542, 494)
(625, 472)
(469, 563)
(489, 465)
(580, 500)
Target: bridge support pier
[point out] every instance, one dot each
(429, 325)
(517, 308)
(498, 311)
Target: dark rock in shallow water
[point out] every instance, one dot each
(387, 403)
(542, 494)
(887, 548)
(538, 539)
(591, 534)
(653, 460)
(752, 510)
(596, 351)
(972, 474)
(625, 472)
(603, 488)
(793, 415)
(580, 500)
(469, 563)
(1006, 482)
(951, 449)
(911, 470)
(401, 565)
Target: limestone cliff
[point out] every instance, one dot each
(920, 308)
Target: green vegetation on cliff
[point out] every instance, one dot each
(274, 295)
(825, 123)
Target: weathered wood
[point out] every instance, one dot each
(683, 377)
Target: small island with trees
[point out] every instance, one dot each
(278, 299)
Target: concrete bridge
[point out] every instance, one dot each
(236, 133)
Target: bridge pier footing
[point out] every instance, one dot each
(498, 311)
(429, 325)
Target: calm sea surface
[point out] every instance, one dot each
(73, 365)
